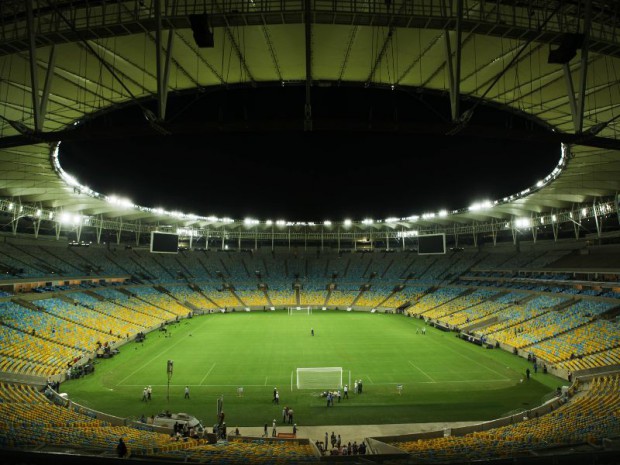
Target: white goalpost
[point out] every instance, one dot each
(320, 378)
(299, 310)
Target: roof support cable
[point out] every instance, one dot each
(148, 114)
(466, 115)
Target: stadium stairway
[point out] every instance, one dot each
(363, 289)
(187, 274)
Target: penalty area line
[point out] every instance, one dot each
(208, 373)
(422, 371)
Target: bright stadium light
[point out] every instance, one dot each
(367, 221)
(281, 222)
(391, 220)
(523, 222)
(268, 222)
(327, 223)
(443, 213)
(250, 221)
(476, 206)
(348, 222)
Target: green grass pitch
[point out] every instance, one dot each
(444, 378)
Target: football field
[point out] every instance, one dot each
(443, 378)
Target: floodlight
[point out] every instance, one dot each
(443, 213)
(523, 222)
(348, 222)
(268, 222)
(327, 223)
(367, 221)
(281, 222)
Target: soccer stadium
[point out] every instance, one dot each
(489, 333)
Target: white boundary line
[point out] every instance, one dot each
(208, 373)
(421, 371)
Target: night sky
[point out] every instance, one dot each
(306, 176)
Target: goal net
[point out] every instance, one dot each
(319, 378)
(299, 310)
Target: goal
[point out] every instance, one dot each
(319, 378)
(299, 310)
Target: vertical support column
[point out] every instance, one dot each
(273, 240)
(34, 75)
(598, 222)
(99, 229)
(256, 238)
(403, 232)
(78, 231)
(37, 226)
(555, 228)
(15, 221)
(239, 240)
(51, 64)
(456, 237)
(322, 234)
(454, 69)
(57, 228)
(338, 239)
(570, 91)
(223, 235)
(534, 228)
(583, 72)
(163, 69)
(289, 238)
(308, 43)
(474, 230)
(387, 240)
(119, 232)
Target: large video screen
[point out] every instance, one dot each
(432, 244)
(164, 242)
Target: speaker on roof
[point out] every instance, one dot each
(202, 33)
(567, 49)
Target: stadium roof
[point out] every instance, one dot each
(556, 62)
